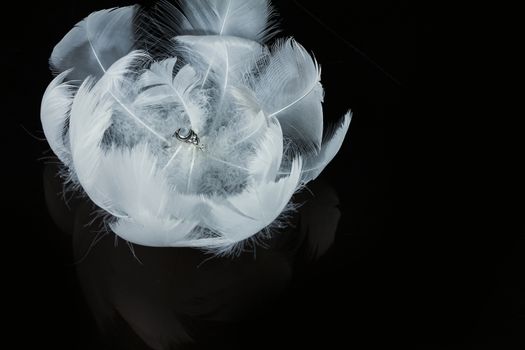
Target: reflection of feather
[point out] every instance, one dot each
(112, 117)
(169, 295)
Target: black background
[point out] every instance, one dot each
(392, 276)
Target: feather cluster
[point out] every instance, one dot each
(128, 80)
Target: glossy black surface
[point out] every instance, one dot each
(358, 269)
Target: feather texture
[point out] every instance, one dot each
(289, 88)
(160, 87)
(331, 146)
(140, 191)
(200, 138)
(90, 118)
(91, 115)
(54, 114)
(240, 18)
(95, 43)
(256, 208)
(265, 197)
(228, 57)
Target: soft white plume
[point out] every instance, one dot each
(55, 109)
(244, 19)
(289, 88)
(188, 130)
(98, 41)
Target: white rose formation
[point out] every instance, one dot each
(184, 126)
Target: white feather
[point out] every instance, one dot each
(91, 114)
(90, 118)
(119, 86)
(228, 57)
(289, 89)
(331, 145)
(265, 165)
(256, 208)
(54, 114)
(161, 87)
(156, 28)
(95, 43)
(140, 191)
(254, 119)
(241, 18)
(241, 216)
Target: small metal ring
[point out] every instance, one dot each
(190, 138)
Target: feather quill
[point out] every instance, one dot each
(240, 18)
(95, 43)
(159, 87)
(91, 114)
(229, 57)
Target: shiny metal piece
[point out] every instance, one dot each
(188, 136)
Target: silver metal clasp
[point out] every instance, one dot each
(188, 136)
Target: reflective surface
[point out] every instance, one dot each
(167, 297)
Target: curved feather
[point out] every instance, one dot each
(224, 61)
(241, 18)
(226, 57)
(54, 114)
(95, 43)
(119, 83)
(140, 190)
(161, 87)
(157, 26)
(240, 216)
(254, 121)
(91, 115)
(331, 145)
(151, 232)
(265, 165)
(255, 208)
(289, 89)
